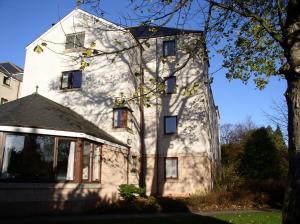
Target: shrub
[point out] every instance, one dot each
(130, 191)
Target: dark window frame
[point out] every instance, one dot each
(165, 168)
(6, 80)
(165, 129)
(70, 80)
(166, 83)
(165, 42)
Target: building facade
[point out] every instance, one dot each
(144, 86)
(11, 79)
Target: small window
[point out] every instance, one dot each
(120, 118)
(170, 125)
(91, 162)
(6, 80)
(74, 40)
(71, 80)
(3, 101)
(169, 48)
(171, 168)
(171, 85)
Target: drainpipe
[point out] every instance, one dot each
(157, 123)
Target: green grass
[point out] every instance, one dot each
(246, 218)
(257, 218)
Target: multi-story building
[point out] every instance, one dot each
(11, 79)
(147, 87)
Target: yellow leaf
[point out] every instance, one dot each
(89, 52)
(38, 49)
(93, 44)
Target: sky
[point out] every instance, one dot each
(22, 21)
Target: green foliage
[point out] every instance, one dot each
(130, 191)
(261, 158)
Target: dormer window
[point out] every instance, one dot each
(169, 48)
(6, 80)
(121, 117)
(71, 79)
(75, 40)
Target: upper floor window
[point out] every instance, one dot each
(169, 48)
(170, 124)
(71, 79)
(171, 85)
(121, 116)
(3, 101)
(74, 40)
(6, 80)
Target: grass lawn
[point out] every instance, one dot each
(246, 218)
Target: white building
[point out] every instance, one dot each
(174, 136)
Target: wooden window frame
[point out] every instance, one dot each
(125, 124)
(165, 168)
(78, 159)
(165, 126)
(164, 44)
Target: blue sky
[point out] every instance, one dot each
(22, 21)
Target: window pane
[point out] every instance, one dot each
(65, 81)
(65, 159)
(70, 41)
(170, 125)
(96, 163)
(120, 118)
(77, 77)
(86, 160)
(28, 157)
(171, 167)
(13, 156)
(79, 40)
(171, 85)
(169, 48)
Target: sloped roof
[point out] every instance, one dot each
(36, 111)
(141, 32)
(10, 69)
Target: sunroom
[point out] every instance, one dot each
(45, 146)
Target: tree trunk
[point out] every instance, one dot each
(291, 210)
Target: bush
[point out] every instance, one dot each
(130, 191)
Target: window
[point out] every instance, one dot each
(120, 117)
(171, 85)
(3, 101)
(91, 162)
(6, 80)
(171, 168)
(170, 124)
(27, 157)
(71, 79)
(169, 48)
(74, 40)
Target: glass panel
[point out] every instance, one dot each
(96, 163)
(28, 157)
(13, 156)
(169, 48)
(65, 81)
(86, 160)
(171, 168)
(65, 159)
(117, 118)
(171, 84)
(70, 41)
(170, 125)
(79, 40)
(77, 77)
